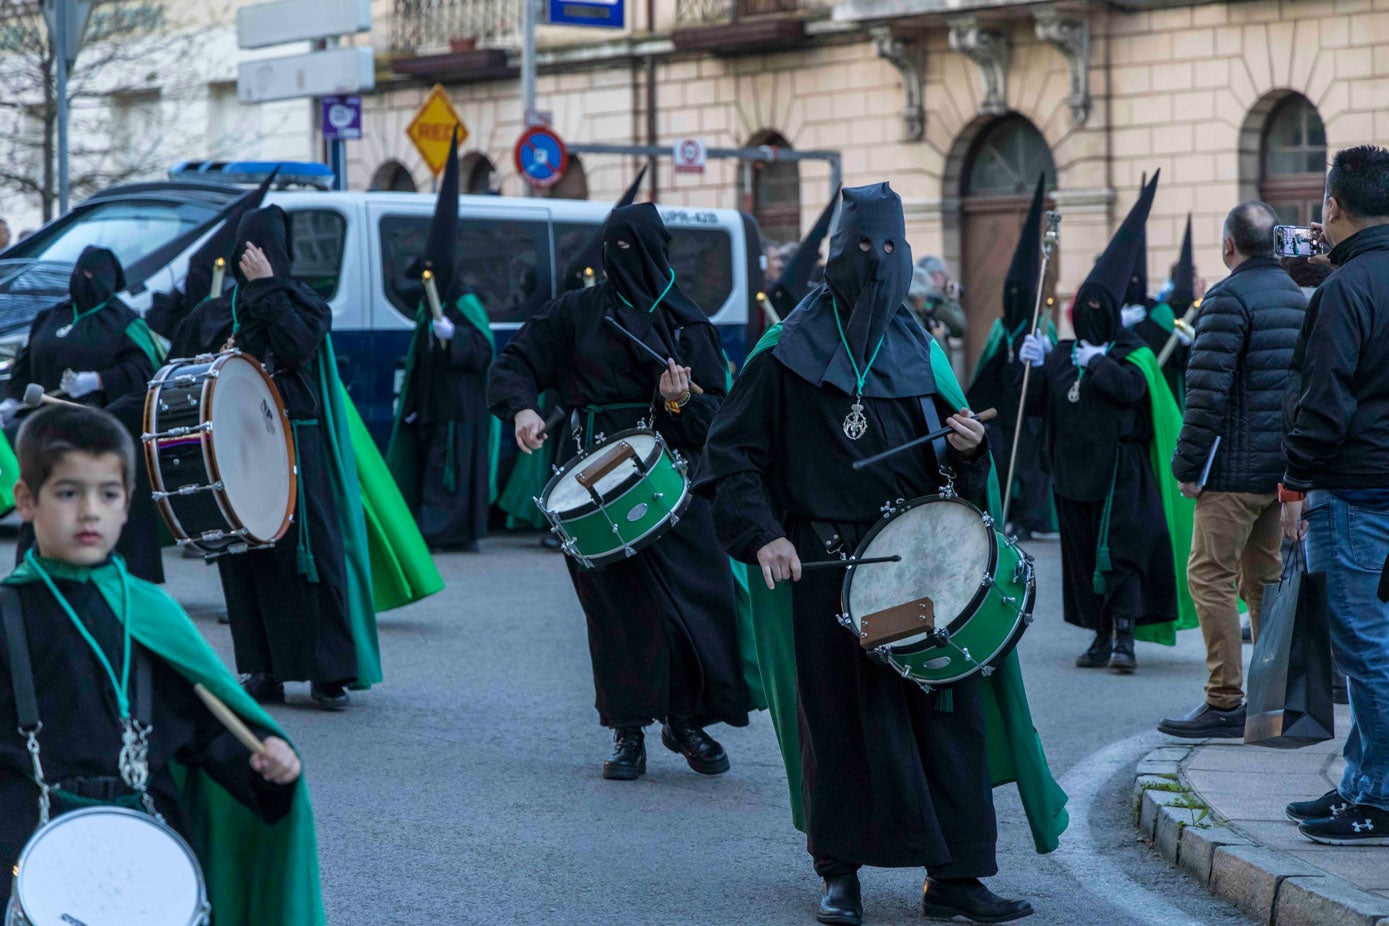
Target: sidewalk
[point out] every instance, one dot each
(1215, 808)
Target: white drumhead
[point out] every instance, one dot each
(945, 554)
(108, 867)
(248, 437)
(568, 494)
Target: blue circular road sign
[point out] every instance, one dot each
(541, 156)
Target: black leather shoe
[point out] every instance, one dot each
(1097, 656)
(701, 751)
(328, 697)
(968, 897)
(266, 689)
(841, 902)
(1204, 721)
(1122, 660)
(1328, 805)
(628, 762)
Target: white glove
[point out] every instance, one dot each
(1131, 315)
(443, 328)
(1034, 350)
(79, 384)
(1183, 338)
(7, 410)
(1086, 353)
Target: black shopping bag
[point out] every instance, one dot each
(1289, 689)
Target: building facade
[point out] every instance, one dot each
(960, 105)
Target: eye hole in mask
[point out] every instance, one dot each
(623, 244)
(888, 246)
(865, 245)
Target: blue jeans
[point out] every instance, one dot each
(1349, 544)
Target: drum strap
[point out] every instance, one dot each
(939, 446)
(26, 701)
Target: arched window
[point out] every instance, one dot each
(392, 177)
(574, 183)
(476, 171)
(776, 192)
(1292, 159)
(1007, 158)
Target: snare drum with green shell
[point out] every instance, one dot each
(616, 498)
(970, 588)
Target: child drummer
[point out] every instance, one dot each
(111, 668)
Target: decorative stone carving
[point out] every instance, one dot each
(907, 58)
(1070, 35)
(991, 50)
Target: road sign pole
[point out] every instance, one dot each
(528, 67)
(61, 42)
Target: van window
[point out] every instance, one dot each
(702, 259)
(505, 262)
(130, 228)
(318, 237)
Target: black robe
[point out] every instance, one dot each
(661, 625)
(97, 343)
(285, 622)
(888, 780)
(993, 386)
(81, 735)
(1102, 440)
(445, 404)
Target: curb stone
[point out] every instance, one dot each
(1269, 885)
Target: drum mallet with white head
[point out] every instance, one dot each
(34, 396)
(988, 414)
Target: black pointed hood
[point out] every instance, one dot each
(198, 284)
(268, 229)
(1020, 285)
(1137, 291)
(636, 263)
(1099, 298)
(794, 283)
(441, 245)
(590, 253)
(96, 277)
(1183, 276)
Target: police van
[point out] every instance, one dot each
(353, 249)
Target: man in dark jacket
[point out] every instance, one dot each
(1337, 478)
(1229, 454)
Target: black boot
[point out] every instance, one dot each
(946, 898)
(701, 751)
(328, 697)
(1123, 660)
(265, 688)
(841, 902)
(1097, 656)
(628, 762)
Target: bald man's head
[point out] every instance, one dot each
(1250, 226)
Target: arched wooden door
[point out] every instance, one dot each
(776, 192)
(1292, 161)
(999, 177)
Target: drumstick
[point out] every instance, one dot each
(233, 723)
(844, 563)
(694, 387)
(34, 396)
(988, 414)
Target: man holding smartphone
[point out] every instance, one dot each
(1335, 491)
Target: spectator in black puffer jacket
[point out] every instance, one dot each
(1235, 377)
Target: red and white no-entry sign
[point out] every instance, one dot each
(690, 156)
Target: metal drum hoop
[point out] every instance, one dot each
(589, 507)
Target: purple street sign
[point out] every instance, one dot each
(342, 118)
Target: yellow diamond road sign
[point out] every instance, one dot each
(432, 128)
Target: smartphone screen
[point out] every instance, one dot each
(1293, 241)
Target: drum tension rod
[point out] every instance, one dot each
(190, 489)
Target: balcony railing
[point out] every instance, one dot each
(701, 12)
(427, 26)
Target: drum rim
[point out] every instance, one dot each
(600, 560)
(214, 363)
(589, 506)
(198, 916)
(956, 621)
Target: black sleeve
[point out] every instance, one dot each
(1333, 331)
(1035, 402)
(688, 430)
(1221, 329)
(737, 458)
(166, 310)
(293, 318)
(130, 370)
(21, 370)
(527, 365)
(971, 472)
(1122, 382)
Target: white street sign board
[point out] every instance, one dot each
(690, 156)
(299, 20)
(330, 72)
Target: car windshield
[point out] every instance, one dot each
(130, 228)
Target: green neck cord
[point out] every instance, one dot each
(659, 298)
(860, 378)
(1080, 370)
(78, 316)
(122, 687)
(236, 325)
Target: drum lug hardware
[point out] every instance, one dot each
(888, 509)
(940, 637)
(905, 670)
(988, 521)
(1027, 619)
(925, 688)
(986, 671)
(845, 621)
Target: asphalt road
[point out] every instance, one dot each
(466, 789)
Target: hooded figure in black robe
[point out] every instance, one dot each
(661, 625)
(892, 776)
(442, 450)
(794, 282)
(1098, 429)
(97, 351)
(1155, 324)
(996, 373)
(287, 604)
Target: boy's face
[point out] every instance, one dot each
(79, 512)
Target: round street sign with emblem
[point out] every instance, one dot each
(541, 156)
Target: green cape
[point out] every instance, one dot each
(1179, 510)
(9, 475)
(348, 509)
(256, 873)
(139, 332)
(1014, 749)
(403, 452)
(528, 479)
(1163, 316)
